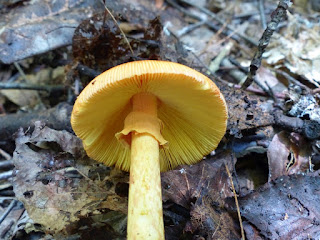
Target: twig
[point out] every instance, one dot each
(8, 210)
(7, 198)
(214, 16)
(5, 155)
(16, 64)
(271, 93)
(262, 14)
(292, 80)
(187, 13)
(5, 185)
(245, 14)
(85, 70)
(214, 65)
(27, 86)
(191, 27)
(217, 228)
(277, 16)
(236, 201)
(258, 91)
(57, 118)
(310, 129)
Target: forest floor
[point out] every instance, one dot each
(263, 180)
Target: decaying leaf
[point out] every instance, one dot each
(202, 188)
(41, 26)
(287, 154)
(59, 186)
(299, 53)
(99, 44)
(286, 208)
(245, 112)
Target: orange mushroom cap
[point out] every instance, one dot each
(191, 109)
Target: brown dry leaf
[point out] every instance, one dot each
(202, 188)
(26, 98)
(59, 186)
(189, 182)
(286, 208)
(287, 154)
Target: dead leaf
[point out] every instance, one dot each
(287, 154)
(299, 53)
(41, 26)
(57, 184)
(286, 208)
(245, 111)
(202, 188)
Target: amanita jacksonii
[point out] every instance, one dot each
(146, 117)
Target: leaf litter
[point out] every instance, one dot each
(63, 191)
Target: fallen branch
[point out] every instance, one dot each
(27, 86)
(276, 17)
(310, 129)
(57, 118)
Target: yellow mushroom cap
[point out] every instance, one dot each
(191, 108)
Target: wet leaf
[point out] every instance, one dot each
(41, 26)
(287, 154)
(99, 44)
(286, 208)
(202, 188)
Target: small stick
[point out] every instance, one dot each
(5, 155)
(262, 15)
(27, 86)
(292, 80)
(236, 201)
(276, 17)
(57, 118)
(214, 16)
(190, 28)
(8, 210)
(16, 64)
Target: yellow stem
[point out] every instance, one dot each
(145, 219)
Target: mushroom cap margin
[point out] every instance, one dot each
(191, 107)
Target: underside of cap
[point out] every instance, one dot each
(191, 109)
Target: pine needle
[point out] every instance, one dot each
(236, 201)
(123, 34)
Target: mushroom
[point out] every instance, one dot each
(149, 116)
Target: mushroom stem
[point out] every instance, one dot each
(145, 219)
